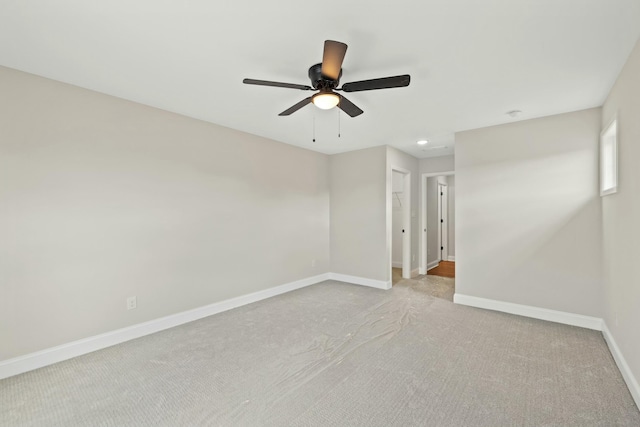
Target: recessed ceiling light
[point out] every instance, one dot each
(422, 142)
(513, 113)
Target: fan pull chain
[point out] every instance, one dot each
(338, 123)
(314, 126)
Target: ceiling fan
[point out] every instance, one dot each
(325, 78)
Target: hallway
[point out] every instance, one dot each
(444, 269)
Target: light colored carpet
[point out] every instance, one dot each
(436, 286)
(335, 354)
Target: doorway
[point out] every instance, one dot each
(400, 254)
(437, 220)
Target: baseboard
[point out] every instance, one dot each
(629, 378)
(378, 284)
(29, 362)
(451, 258)
(580, 320)
(415, 272)
(432, 265)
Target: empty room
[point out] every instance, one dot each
(319, 214)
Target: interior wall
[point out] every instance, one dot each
(358, 183)
(101, 199)
(451, 214)
(528, 213)
(397, 219)
(437, 164)
(406, 161)
(621, 213)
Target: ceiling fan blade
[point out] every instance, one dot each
(382, 83)
(349, 107)
(276, 84)
(332, 59)
(296, 107)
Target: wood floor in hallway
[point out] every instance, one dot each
(444, 269)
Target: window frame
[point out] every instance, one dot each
(609, 137)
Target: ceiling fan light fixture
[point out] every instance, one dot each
(325, 100)
(325, 78)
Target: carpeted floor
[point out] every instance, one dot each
(335, 354)
(436, 286)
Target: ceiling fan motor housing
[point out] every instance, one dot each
(321, 82)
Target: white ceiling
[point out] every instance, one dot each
(470, 61)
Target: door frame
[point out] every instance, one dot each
(422, 265)
(406, 222)
(443, 220)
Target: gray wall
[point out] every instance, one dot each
(528, 213)
(358, 181)
(621, 216)
(437, 164)
(101, 199)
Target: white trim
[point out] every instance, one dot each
(422, 243)
(625, 370)
(439, 219)
(610, 131)
(378, 284)
(406, 225)
(28, 362)
(432, 265)
(580, 320)
(443, 220)
(396, 264)
(451, 258)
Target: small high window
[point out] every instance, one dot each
(609, 159)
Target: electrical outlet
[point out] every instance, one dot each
(313, 263)
(131, 303)
(413, 257)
